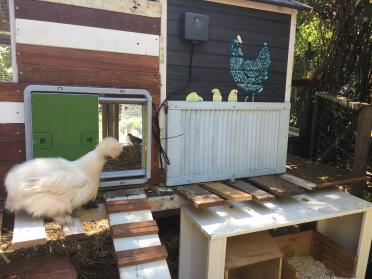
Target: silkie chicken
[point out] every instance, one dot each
(54, 187)
(249, 74)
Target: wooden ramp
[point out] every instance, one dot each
(135, 234)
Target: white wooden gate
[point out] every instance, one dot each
(209, 141)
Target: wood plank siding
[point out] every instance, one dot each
(79, 43)
(90, 59)
(211, 58)
(138, 7)
(51, 12)
(11, 92)
(12, 149)
(84, 37)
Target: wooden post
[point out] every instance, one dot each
(313, 128)
(110, 120)
(362, 143)
(307, 118)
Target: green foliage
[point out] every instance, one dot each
(310, 29)
(5, 63)
(340, 32)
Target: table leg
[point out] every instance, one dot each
(216, 258)
(364, 246)
(200, 257)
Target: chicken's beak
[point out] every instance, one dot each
(239, 39)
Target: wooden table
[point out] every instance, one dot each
(345, 219)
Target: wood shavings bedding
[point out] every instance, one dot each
(309, 268)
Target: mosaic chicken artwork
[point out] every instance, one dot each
(249, 74)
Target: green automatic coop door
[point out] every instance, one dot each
(63, 125)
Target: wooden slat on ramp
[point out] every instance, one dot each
(226, 191)
(127, 205)
(199, 196)
(276, 185)
(257, 194)
(141, 255)
(133, 229)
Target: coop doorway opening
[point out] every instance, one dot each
(55, 114)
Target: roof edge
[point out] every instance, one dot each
(287, 3)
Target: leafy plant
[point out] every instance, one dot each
(5, 63)
(340, 32)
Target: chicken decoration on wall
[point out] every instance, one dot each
(194, 97)
(217, 96)
(249, 74)
(233, 96)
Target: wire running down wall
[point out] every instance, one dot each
(213, 141)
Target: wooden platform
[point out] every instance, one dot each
(302, 176)
(322, 175)
(29, 231)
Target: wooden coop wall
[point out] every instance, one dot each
(211, 59)
(79, 43)
(212, 140)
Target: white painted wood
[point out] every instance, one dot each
(292, 40)
(151, 270)
(176, 105)
(282, 141)
(12, 24)
(210, 141)
(343, 218)
(364, 244)
(255, 5)
(130, 217)
(163, 67)
(193, 260)
(299, 181)
(243, 217)
(344, 230)
(137, 7)
(174, 142)
(353, 233)
(216, 258)
(82, 37)
(142, 241)
(131, 197)
(11, 112)
(75, 228)
(28, 231)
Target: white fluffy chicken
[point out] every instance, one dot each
(54, 187)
